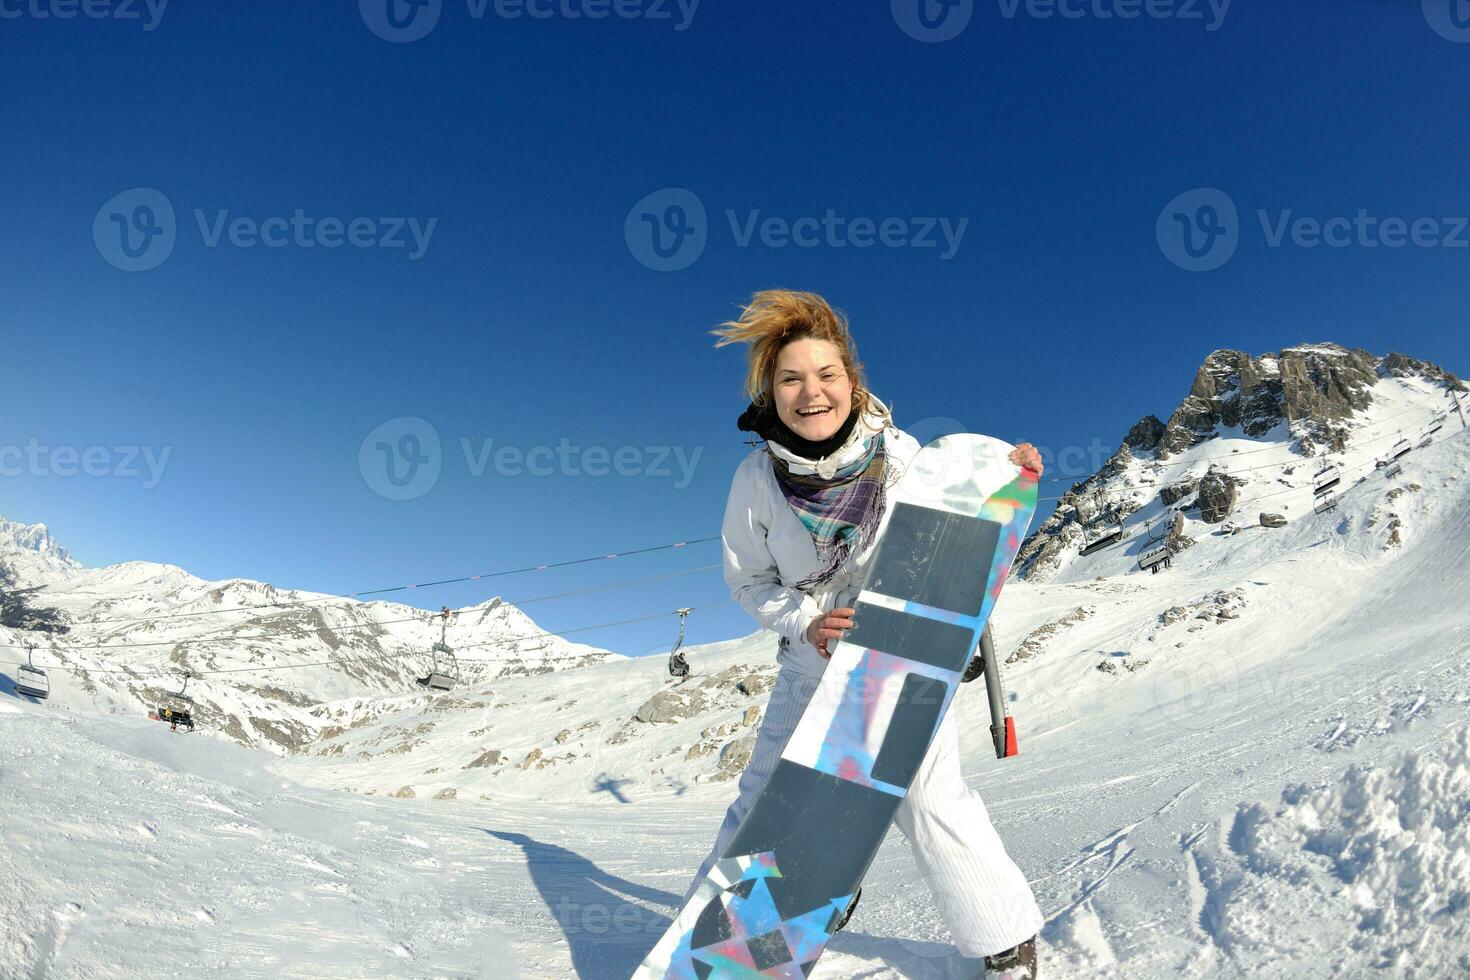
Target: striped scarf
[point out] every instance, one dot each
(841, 514)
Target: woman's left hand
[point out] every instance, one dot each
(1027, 456)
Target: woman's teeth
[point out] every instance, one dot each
(809, 412)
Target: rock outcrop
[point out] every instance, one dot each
(1306, 394)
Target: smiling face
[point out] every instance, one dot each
(812, 390)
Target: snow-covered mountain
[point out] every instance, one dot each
(1255, 435)
(270, 667)
(1255, 762)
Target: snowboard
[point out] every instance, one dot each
(772, 901)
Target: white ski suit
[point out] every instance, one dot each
(981, 893)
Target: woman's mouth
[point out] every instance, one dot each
(810, 413)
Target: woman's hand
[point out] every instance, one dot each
(1025, 455)
(829, 626)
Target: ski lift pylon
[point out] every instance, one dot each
(678, 663)
(444, 667)
(30, 680)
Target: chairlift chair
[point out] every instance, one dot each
(1326, 479)
(444, 668)
(1158, 528)
(1400, 448)
(1325, 504)
(678, 663)
(1152, 561)
(1393, 470)
(1109, 534)
(31, 681)
(179, 709)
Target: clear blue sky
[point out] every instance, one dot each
(533, 315)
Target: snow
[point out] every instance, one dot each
(1268, 776)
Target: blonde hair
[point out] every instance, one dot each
(774, 318)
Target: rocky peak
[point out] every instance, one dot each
(1309, 391)
(30, 537)
(1312, 388)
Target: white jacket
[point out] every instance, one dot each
(766, 547)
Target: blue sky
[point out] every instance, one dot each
(526, 309)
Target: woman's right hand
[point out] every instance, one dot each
(829, 626)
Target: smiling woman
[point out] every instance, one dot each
(801, 527)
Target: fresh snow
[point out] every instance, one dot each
(1256, 763)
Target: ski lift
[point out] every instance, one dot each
(1327, 477)
(1392, 470)
(1436, 423)
(1110, 532)
(1400, 448)
(444, 670)
(1327, 503)
(1158, 528)
(1425, 440)
(678, 663)
(30, 680)
(178, 711)
(1152, 561)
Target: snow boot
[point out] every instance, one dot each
(848, 914)
(1016, 963)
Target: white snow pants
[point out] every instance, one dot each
(981, 893)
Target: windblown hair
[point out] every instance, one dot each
(776, 317)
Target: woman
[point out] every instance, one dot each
(800, 526)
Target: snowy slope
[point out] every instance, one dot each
(1256, 763)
